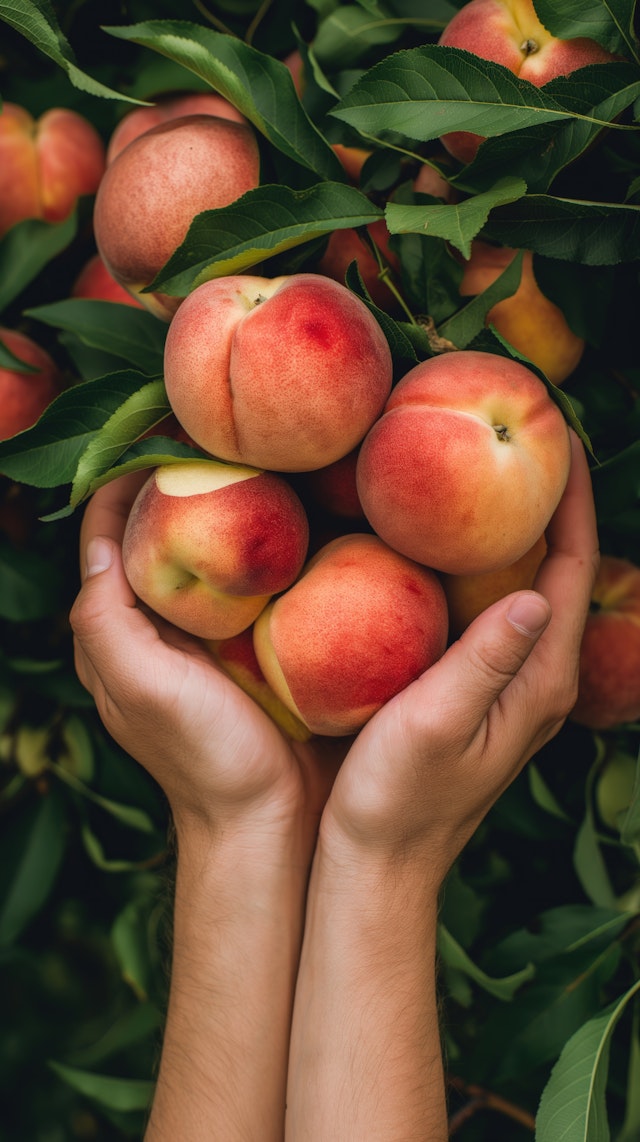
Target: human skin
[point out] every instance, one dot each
(363, 1057)
(24, 396)
(168, 107)
(609, 690)
(153, 189)
(509, 32)
(207, 544)
(465, 467)
(282, 373)
(528, 319)
(46, 163)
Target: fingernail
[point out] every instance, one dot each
(99, 556)
(529, 614)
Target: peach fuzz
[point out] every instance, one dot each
(359, 625)
(168, 107)
(94, 282)
(281, 373)
(237, 657)
(467, 464)
(46, 163)
(609, 674)
(468, 595)
(346, 246)
(25, 396)
(207, 544)
(153, 189)
(509, 32)
(528, 320)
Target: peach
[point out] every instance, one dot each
(334, 488)
(152, 190)
(46, 163)
(237, 657)
(284, 373)
(465, 467)
(25, 396)
(609, 678)
(528, 320)
(352, 159)
(468, 595)
(169, 107)
(207, 544)
(359, 625)
(94, 282)
(509, 32)
(346, 246)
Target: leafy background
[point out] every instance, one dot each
(540, 920)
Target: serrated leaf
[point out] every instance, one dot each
(27, 248)
(457, 223)
(258, 85)
(454, 955)
(47, 455)
(263, 222)
(569, 229)
(425, 92)
(131, 334)
(130, 420)
(573, 1106)
(114, 1093)
(609, 22)
(37, 22)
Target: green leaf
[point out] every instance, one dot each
(139, 1023)
(263, 222)
(130, 939)
(588, 860)
(609, 22)
(29, 587)
(131, 334)
(542, 794)
(573, 1103)
(467, 323)
(259, 86)
(616, 483)
(348, 32)
(630, 830)
(454, 955)
(128, 815)
(8, 360)
(423, 93)
(457, 223)
(114, 1093)
(631, 1126)
(31, 854)
(37, 22)
(27, 248)
(593, 233)
(97, 855)
(47, 455)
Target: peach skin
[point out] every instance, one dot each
(281, 373)
(468, 595)
(24, 396)
(467, 464)
(94, 282)
(207, 544)
(168, 107)
(358, 626)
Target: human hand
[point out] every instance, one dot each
(161, 696)
(425, 770)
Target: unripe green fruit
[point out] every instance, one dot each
(614, 788)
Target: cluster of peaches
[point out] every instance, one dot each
(436, 490)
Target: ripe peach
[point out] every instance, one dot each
(169, 107)
(469, 595)
(207, 544)
(334, 488)
(467, 464)
(346, 246)
(528, 320)
(95, 282)
(153, 189)
(24, 396)
(359, 625)
(46, 164)
(283, 373)
(609, 684)
(509, 32)
(352, 159)
(237, 657)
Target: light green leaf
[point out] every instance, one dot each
(588, 860)
(468, 322)
(258, 85)
(542, 794)
(630, 829)
(454, 955)
(37, 22)
(114, 1093)
(573, 1106)
(457, 223)
(263, 222)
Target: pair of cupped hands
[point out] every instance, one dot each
(421, 774)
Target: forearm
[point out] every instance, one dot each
(237, 932)
(366, 1060)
